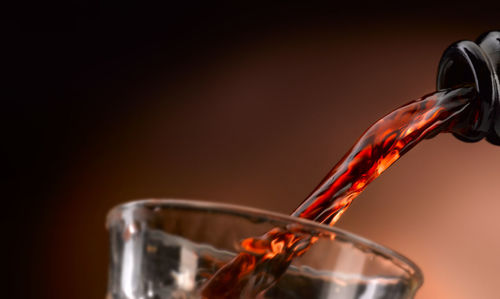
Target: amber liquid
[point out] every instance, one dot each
(264, 259)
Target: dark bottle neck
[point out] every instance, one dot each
(476, 63)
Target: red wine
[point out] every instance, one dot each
(264, 259)
(379, 147)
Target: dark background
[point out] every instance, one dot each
(247, 103)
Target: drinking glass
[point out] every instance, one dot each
(170, 248)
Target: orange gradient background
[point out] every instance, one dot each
(258, 120)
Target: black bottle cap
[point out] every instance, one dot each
(476, 63)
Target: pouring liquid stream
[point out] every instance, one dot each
(264, 259)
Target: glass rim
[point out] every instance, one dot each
(403, 262)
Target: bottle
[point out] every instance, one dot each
(475, 63)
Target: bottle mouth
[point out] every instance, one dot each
(475, 63)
